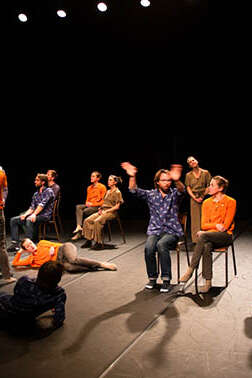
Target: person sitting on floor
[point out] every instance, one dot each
(93, 225)
(33, 297)
(217, 225)
(95, 194)
(65, 253)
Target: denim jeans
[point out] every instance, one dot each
(31, 228)
(161, 244)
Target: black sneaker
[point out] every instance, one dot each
(166, 287)
(14, 247)
(151, 285)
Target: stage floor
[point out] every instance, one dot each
(114, 328)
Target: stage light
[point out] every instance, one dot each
(22, 17)
(102, 7)
(61, 13)
(145, 3)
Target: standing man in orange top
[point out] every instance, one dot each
(217, 224)
(95, 194)
(4, 260)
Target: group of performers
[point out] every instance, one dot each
(212, 222)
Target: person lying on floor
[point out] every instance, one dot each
(65, 253)
(33, 297)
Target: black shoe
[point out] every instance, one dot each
(97, 247)
(151, 285)
(86, 244)
(14, 247)
(166, 287)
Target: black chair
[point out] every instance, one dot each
(55, 221)
(108, 225)
(220, 251)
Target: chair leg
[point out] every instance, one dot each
(196, 281)
(121, 230)
(178, 263)
(57, 230)
(187, 253)
(226, 267)
(109, 231)
(234, 261)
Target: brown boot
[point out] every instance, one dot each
(205, 289)
(187, 275)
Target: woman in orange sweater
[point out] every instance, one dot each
(217, 224)
(66, 254)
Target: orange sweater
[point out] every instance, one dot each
(96, 193)
(39, 257)
(222, 212)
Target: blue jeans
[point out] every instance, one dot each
(31, 228)
(161, 244)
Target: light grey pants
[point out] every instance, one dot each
(68, 256)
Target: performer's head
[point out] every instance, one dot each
(114, 180)
(49, 275)
(192, 162)
(95, 177)
(218, 184)
(162, 180)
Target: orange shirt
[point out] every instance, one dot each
(40, 256)
(96, 193)
(3, 184)
(222, 212)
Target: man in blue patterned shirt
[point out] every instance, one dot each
(40, 211)
(164, 227)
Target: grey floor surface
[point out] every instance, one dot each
(116, 329)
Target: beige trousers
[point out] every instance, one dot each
(93, 226)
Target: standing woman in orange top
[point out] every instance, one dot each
(217, 224)
(197, 182)
(95, 194)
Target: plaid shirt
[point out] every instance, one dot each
(163, 211)
(30, 301)
(44, 199)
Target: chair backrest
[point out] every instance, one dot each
(183, 220)
(56, 207)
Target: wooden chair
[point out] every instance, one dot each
(108, 224)
(55, 221)
(183, 220)
(225, 251)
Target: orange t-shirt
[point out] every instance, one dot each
(3, 184)
(222, 212)
(40, 256)
(96, 193)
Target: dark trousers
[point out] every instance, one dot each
(161, 244)
(205, 244)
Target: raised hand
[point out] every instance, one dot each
(176, 171)
(129, 168)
